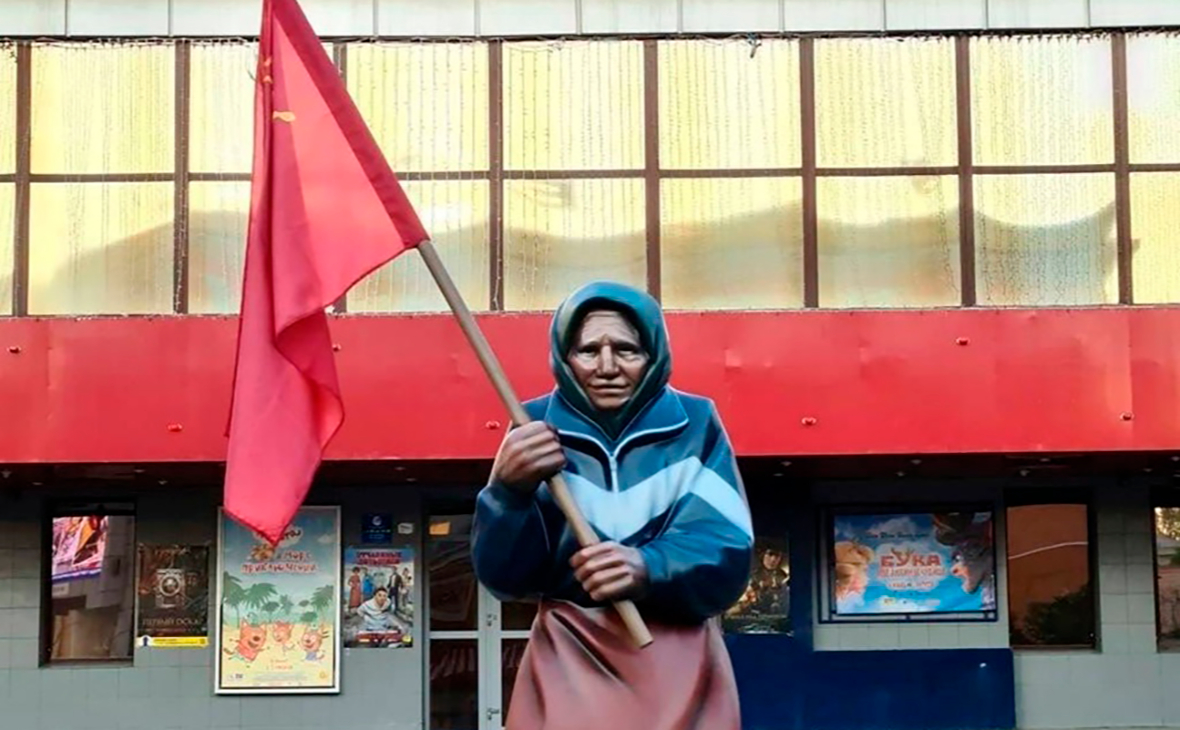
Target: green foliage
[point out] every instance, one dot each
(232, 594)
(323, 600)
(259, 595)
(1067, 620)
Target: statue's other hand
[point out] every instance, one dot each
(609, 571)
(529, 455)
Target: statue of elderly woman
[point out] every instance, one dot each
(652, 470)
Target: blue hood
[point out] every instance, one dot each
(645, 315)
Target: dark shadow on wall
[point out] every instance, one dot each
(734, 261)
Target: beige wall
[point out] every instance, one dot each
(524, 17)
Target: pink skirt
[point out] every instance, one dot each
(580, 671)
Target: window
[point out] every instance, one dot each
(1051, 596)
(7, 168)
(1167, 576)
(101, 227)
(1153, 73)
(889, 241)
(428, 108)
(90, 602)
(741, 173)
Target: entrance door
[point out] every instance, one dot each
(475, 641)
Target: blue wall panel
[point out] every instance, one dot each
(784, 686)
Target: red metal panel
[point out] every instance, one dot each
(792, 383)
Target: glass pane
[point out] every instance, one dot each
(218, 217)
(563, 233)
(1050, 601)
(101, 248)
(455, 213)
(765, 607)
(426, 103)
(8, 108)
(888, 241)
(1153, 91)
(93, 559)
(518, 615)
(454, 684)
(573, 105)
(1045, 240)
(722, 108)
(221, 120)
(511, 654)
(1167, 562)
(103, 107)
(7, 233)
(732, 243)
(1041, 100)
(453, 589)
(881, 103)
(1155, 235)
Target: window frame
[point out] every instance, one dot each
(1161, 498)
(651, 173)
(1038, 496)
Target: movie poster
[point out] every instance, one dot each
(765, 607)
(173, 596)
(913, 563)
(278, 617)
(378, 598)
(79, 546)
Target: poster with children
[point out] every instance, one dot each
(932, 563)
(378, 598)
(278, 618)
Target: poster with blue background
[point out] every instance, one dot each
(913, 563)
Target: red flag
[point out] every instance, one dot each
(325, 211)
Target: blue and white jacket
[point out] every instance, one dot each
(666, 482)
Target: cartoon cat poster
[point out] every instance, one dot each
(278, 622)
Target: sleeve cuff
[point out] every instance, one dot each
(508, 497)
(657, 567)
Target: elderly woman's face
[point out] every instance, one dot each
(607, 359)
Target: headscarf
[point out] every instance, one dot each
(643, 312)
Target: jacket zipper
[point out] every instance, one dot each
(614, 488)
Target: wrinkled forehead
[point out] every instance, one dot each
(600, 324)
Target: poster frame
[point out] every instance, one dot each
(218, 659)
(825, 563)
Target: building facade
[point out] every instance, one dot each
(923, 255)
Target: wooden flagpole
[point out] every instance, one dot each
(561, 493)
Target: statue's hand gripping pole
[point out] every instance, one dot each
(561, 493)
